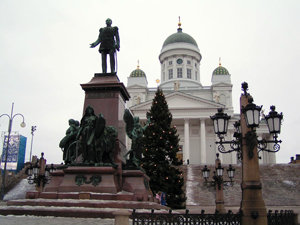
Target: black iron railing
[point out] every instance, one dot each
(284, 217)
(185, 218)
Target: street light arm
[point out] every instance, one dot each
(234, 145)
(262, 145)
(5, 115)
(18, 114)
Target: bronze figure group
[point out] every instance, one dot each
(91, 142)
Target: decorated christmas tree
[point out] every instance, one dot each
(161, 143)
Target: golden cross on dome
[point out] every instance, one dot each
(179, 23)
(219, 61)
(138, 64)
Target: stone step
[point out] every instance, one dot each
(74, 208)
(86, 203)
(58, 211)
(125, 196)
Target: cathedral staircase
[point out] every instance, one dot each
(280, 186)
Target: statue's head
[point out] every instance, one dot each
(71, 121)
(89, 111)
(108, 22)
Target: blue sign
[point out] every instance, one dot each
(16, 152)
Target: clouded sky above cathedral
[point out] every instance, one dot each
(45, 55)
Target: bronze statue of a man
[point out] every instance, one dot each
(110, 42)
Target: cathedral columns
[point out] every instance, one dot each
(184, 73)
(202, 141)
(186, 152)
(174, 69)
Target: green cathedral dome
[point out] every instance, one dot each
(138, 73)
(220, 71)
(180, 37)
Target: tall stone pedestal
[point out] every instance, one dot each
(107, 95)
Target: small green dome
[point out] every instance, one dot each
(220, 71)
(180, 37)
(138, 73)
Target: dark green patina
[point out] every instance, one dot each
(81, 179)
(91, 143)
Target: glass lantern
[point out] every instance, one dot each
(231, 172)
(274, 121)
(220, 120)
(205, 172)
(219, 170)
(252, 114)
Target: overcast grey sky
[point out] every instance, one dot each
(45, 55)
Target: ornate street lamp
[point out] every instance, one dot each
(273, 120)
(217, 178)
(218, 181)
(222, 118)
(11, 118)
(39, 173)
(245, 142)
(251, 113)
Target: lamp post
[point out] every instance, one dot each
(33, 128)
(11, 118)
(39, 173)
(218, 182)
(247, 145)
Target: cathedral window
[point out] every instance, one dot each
(179, 72)
(189, 73)
(196, 75)
(170, 73)
(170, 62)
(189, 62)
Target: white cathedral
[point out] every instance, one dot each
(190, 103)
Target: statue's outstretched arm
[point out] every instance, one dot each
(94, 44)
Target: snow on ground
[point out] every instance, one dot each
(19, 191)
(288, 182)
(35, 220)
(189, 187)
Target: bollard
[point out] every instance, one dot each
(122, 217)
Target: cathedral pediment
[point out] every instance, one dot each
(136, 86)
(221, 84)
(181, 101)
